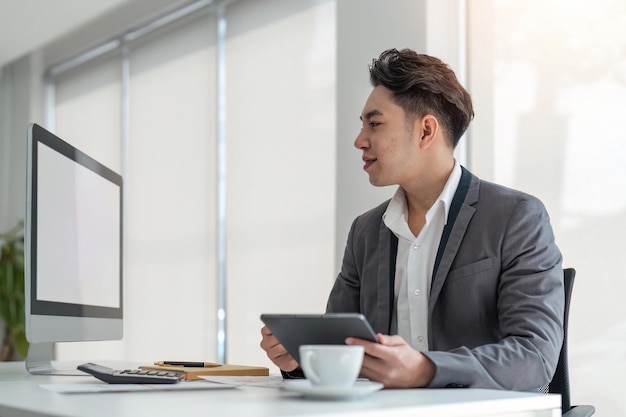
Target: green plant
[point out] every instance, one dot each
(12, 292)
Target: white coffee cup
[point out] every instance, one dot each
(331, 365)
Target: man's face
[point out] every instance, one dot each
(390, 147)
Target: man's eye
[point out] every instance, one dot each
(374, 124)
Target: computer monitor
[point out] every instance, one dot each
(73, 249)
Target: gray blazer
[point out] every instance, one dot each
(495, 313)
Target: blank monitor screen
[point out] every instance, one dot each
(73, 244)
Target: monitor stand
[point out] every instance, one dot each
(39, 361)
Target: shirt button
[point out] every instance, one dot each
(416, 247)
(420, 339)
(417, 292)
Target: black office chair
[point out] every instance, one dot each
(560, 380)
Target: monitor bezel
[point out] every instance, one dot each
(49, 309)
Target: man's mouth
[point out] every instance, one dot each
(368, 162)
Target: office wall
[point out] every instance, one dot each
(549, 90)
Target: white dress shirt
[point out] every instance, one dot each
(415, 261)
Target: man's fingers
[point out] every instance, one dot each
(268, 340)
(394, 340)
(276, 352)
(377, 350)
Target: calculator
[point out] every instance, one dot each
(131, 376)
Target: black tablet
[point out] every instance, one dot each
(293, 330)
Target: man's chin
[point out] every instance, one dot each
(377, 182)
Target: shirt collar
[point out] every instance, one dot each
(449, 189)
(397, 210)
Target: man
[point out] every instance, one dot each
(460, 278)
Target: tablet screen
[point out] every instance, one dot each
(293, 330)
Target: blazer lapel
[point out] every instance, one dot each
(451, 239)
(388, 243)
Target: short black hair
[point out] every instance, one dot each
(422, 84)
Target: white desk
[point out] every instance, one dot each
(20, 395)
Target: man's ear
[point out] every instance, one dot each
(428, 128)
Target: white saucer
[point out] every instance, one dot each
(359, 388)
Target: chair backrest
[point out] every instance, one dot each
(560, 380)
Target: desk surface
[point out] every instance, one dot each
(21, 395)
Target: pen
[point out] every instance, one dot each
(187, 364)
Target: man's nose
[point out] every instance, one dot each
(361, 141)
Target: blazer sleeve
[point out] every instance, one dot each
(530, 305)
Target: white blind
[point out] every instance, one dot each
(281, 164)
(280, 133)
(88, 109)
(171, 203)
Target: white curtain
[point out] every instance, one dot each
(280, 134)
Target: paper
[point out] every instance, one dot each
(273, 381)
(94, 387)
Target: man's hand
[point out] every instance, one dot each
(276, 351)
(394, 362)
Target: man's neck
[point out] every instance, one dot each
(423, 193)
